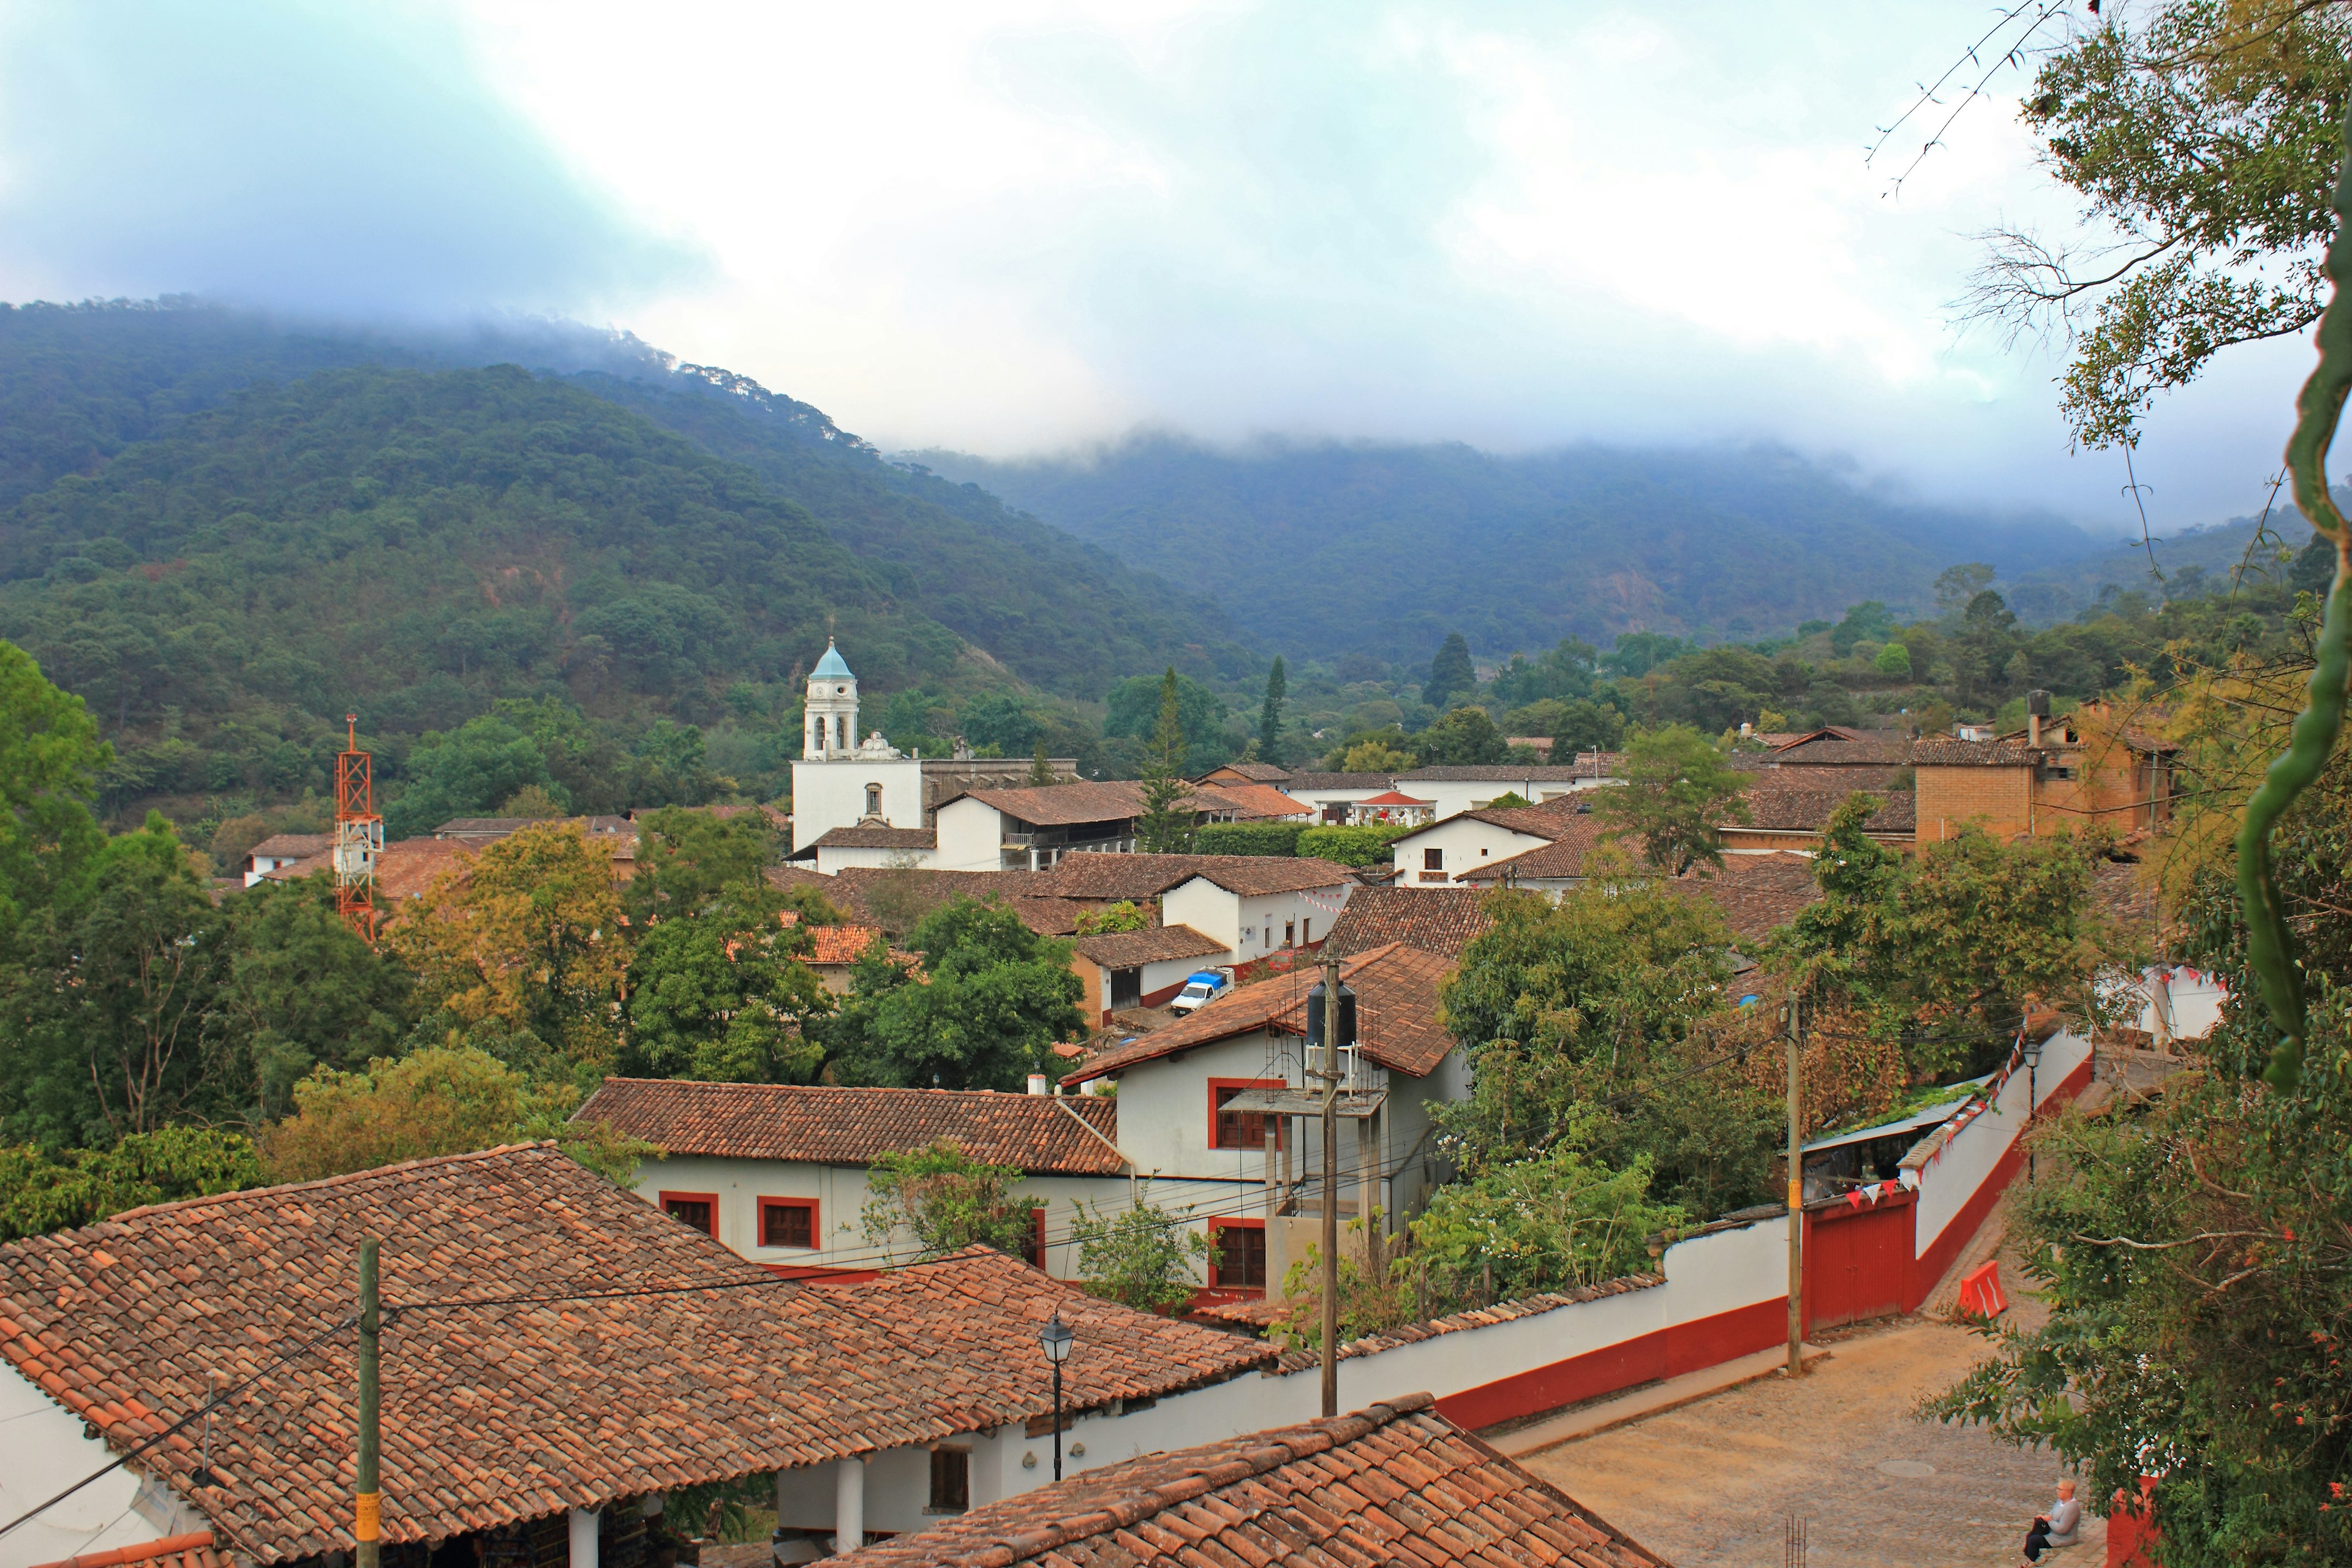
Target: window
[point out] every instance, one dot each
(1239, 1129)
(788, 1222)
(1033, 1246)
(841, 732)
(873, 800)
(699, 1211)
(1237, 1254)
(1307, 933)
(951, 1481)
(1433, 860)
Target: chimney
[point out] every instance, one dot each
(2037, 709)
(1036, 1083)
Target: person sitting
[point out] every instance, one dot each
(2059, 1527)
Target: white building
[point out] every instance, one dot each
(1255, 1172)
(1454, 789)
(1464, 846)
(840, 780)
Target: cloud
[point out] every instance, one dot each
(305, 156)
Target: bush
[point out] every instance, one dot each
(1124, 915)
(1249, 838)
(1351, 846)
(1143, 1257)
(40, 1193)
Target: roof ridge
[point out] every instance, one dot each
(1265, 1451)
(348, 1178)
(992, 1094)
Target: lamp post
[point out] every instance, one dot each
(1056, 1337)
(2033, 1099)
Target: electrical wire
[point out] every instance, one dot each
(218, 1398)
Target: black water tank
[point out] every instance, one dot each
(1315, 1024)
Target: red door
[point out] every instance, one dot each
(1857, 1261)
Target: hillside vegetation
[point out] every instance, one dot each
(1381, 550)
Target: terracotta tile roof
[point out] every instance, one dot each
(1257, 772)
(876, 838)
(1395, 797)
(1138, 877)
(195, 1549)
(1946, 752)
(1756, 893)
(1262, 802)
(783, 877)
(1396, 1014)
(2128, 895)
(896, 899)
(1161, 944)
(292, 845)
(1111, 800)
(1890, 749)
(1563, 857)
(1443, 920)
(1050, 917)
(1790, 810)
(408, 867)
(1392, 1484)
(823, 1125)
(1498, 772)
(1338, 781)
(1557, 818)
(841, 944)
(1255, 876)
(512, 1410)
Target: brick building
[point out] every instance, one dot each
(2088, 770)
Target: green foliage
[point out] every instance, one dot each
(1638, 653)
(1553, 1221)
(1679, 789)
(721, 995)
(1894, 661)
(687, 859)
(1008, 724)
(2203, 136)
(993, 997)
(50, 757)
(1950, 948)
(40, 1193)
(1136, 708)
(1373, 752)
(1165, 825)
(1464, 736)
(438, 1099)
(1269, 714)
(1248, 838)
(1141, 1255)
(942, 1200)
(466, 773)
(1365, 845)
(1582, 1020)
(1869, 621)
(1563, 673)
(1124, 915)
(1586, 726)
(1451, 673)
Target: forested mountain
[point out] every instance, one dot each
(79, 384)
(416, 545)
(1383, 550)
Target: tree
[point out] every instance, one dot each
(2205, 138)
(687, 859)
(302, 990)
(1553, 1221)
(466, 772)
(437, 1100)
(1040, 768)
(112, 1010)
(1586, 726)
(1451, 672)
(1677, 790)
(1957, 586)
(722, 996)
(1383, 754)
(50, 758)
(1141, 1257)
(1004, 725)
(942, 1200)
(41, 1191)
(1465, 736)
(992, 999)
(526, 936)
(1269, 714)
(1894, 661)
(1165, 827)
(1360, 846)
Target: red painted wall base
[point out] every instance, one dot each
(1647, 1358)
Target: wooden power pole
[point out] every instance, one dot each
(368, 1516)
(1792, 1019)
(1330, 1185)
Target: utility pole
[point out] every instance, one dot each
(1331, 1011)
(1791, 1020)
(367, 1520)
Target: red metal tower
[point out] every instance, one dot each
(359, 835)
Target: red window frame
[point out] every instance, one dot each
(1032, 1249)
(1217, 1112)
(665, 1199)
(816, 1234)
(1217, 1229)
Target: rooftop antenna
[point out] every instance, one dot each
(359, 835)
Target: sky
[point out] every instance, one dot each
(1034, 225)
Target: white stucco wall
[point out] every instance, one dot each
(42, 1451)
(827, 796)
(1465, 842)
(1253, 926)
(840, 1192)
(831, 859)
(1951, 1174)
(970, 837)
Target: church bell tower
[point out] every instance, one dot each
(830, 729)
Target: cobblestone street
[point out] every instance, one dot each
(1712, 1485)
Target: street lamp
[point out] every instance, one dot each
(2033, 1099)
(1057, 1338)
